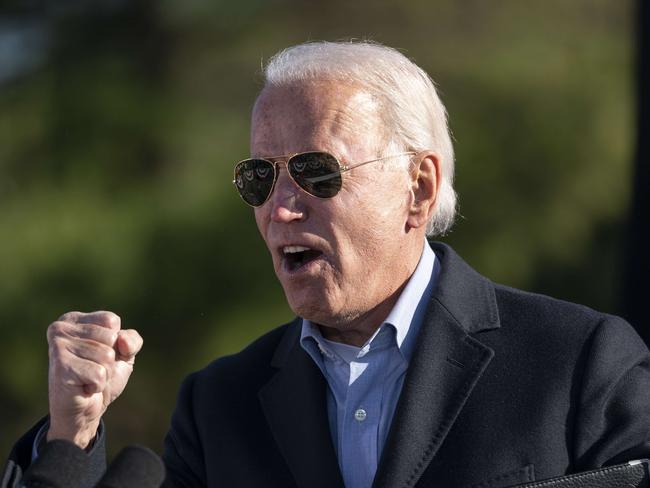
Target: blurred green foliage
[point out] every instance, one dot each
(116, 154)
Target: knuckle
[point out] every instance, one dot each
(113, 320)
(107, 319)
(55, 329)
(69, 316)
(99, 375)
(106, 354)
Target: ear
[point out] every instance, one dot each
(425, 177)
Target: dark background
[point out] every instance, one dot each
(120, 122)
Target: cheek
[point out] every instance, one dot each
(386, 214)
(262, 221)
(360, 242)
(394, 206)
(372, 215)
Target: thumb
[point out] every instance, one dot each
(128, 344)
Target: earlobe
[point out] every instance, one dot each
(425, 181)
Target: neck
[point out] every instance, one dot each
(358, 330)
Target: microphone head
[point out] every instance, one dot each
(60, 464)
(134, 467)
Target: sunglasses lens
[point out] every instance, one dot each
(254, 179)
(317, 173)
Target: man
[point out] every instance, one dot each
(404, 367)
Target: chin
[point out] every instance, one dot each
(313, 308)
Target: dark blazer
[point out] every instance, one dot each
(503, 387)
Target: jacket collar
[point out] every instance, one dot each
(467, 296)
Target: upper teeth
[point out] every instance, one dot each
(292, 249)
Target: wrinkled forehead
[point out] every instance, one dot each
(295, 117)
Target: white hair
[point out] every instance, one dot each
(415, 116)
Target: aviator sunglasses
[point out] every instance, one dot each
(317, 173)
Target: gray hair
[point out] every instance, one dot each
(417, 118)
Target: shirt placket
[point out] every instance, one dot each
(360, 426)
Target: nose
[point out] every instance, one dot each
(285, 201)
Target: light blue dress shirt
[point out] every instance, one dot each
(365, 382)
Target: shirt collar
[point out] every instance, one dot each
(406, 314)
(405, 310)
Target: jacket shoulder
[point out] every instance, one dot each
(528, 305)
(547, 319)
(250, 365)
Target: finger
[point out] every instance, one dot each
(92, 351)
(70, 317)
(76, 372)
(101, 318)
(128, 344)
(82, 331)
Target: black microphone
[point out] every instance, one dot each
(134, 467)
(60, 464)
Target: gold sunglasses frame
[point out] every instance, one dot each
(286, 158)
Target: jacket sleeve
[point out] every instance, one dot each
(20, 458)
(613, 415)
(183, 453)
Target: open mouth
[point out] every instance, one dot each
(295, 257)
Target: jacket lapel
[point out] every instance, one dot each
(295, 406)
(446, 365)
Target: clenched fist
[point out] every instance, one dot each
(91, 360)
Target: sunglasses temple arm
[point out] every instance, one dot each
(343, 169)
(348, 168)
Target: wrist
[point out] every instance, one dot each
(83, 437)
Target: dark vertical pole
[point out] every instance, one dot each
(636, 301)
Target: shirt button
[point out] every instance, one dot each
(360, 415)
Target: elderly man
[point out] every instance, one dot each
(404, 366)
